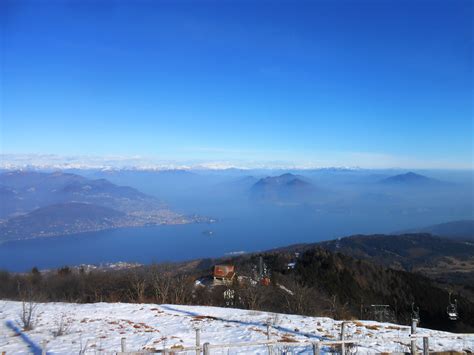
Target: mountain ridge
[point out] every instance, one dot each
(410, 179)
(63, 218)
(33, 202)
(460, 229)
(283, 188)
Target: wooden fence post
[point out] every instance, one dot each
(316, 349)
(198, 341)
(206, 349)
(270, 348)
(413, 340)
(343, 346)
(123, 344)
(426, 346)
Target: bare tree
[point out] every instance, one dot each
(62, 326)
(83, 347)
(28, 307)
(182, 289)
(28, 315)
(338, 310)
(137, 287)
(301, 299)
(161, 283)
(251, 294)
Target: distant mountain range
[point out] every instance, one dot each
(26, 191)
(283, 188)
(59, 162)
(292, 188)
(47, 204)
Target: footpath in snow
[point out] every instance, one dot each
(99, 327)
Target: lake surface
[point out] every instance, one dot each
(151, 244)
(253, 230)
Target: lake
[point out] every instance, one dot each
(252, 230)
(152, 243)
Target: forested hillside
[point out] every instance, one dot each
(317, 282)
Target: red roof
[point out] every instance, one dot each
(224, 271)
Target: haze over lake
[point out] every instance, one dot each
(243, 224)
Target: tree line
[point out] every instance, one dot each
(322, 283)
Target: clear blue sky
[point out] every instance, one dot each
(368, 83)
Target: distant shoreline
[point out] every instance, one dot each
(197, 220)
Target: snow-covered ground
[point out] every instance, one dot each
(98, 328)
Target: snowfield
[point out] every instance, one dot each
(98, 329)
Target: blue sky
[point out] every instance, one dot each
(361, 83)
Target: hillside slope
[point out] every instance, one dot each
(100, 327)
(463, 229)
(25, 191)
(441, 259)
(360, 283)
(405, 252)
(36, 204)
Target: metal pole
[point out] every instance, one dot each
(123, 344)
(316, 349)
(206, 349)
(413, 341)
(426, 346)
(198, 341)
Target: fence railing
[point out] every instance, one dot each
(414, 343)
(205, 349)
(273, 347)
(411, 343)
